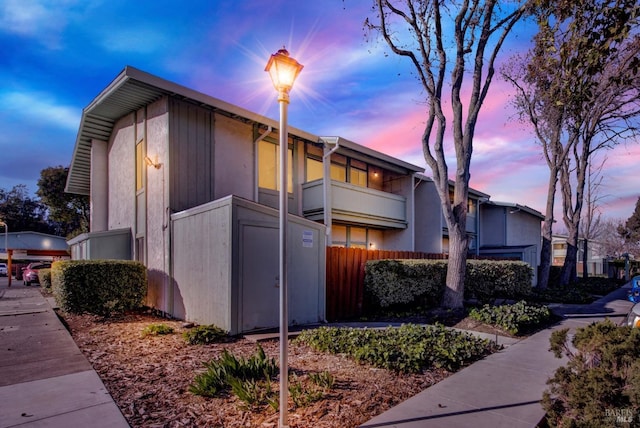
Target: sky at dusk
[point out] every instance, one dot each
(58, 55)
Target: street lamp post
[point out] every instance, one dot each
(283, 71)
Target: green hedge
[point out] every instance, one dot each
(101, 287)
(392, 282)
(422, 282)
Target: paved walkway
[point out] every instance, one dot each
(45, 381)
(504, 389)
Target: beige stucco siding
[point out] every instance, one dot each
(122, 174)
(157, 200)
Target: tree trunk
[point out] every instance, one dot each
(545, 263)
(585, 258)
(456, 269)
(547, 230)
(568, 273)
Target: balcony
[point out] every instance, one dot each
(355, 204)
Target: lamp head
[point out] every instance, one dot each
(283, 70)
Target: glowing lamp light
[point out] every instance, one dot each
(283, 70)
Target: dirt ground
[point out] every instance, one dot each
(149, 377)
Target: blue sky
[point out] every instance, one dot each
(59, 54)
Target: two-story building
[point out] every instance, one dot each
(188, 185)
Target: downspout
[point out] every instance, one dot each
(412, 211)
(326, 184)
(255, 161)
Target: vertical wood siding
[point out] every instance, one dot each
(345, 277)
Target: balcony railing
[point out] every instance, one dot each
(355, 204)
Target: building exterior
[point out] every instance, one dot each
(511, 231)
(596, 262)
(188, 185)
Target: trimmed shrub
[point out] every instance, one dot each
(487, 280)
(392, 282)
(101, 287)
(45, 278)
(422, 282)
(600, 385)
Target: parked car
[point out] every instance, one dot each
(30, 273)
(3, 269)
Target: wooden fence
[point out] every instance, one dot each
(345, 277)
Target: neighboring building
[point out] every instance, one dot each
(34, 246)
(188, 185)
(511, 231)
(596, 262)
(432, 233)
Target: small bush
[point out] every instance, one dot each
(156, 330)
(101, 287)
(205, 334)
(220, 372)
(487, 280)
(518, 318)
(44, 275)
(600, 385)
(409, 348)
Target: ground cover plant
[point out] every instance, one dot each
(409, 348)
(149, 378)
(517, 319)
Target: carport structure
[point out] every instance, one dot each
(32, 246)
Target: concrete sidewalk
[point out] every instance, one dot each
(504, 389)
(45, 381)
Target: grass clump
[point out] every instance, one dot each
(157, 330)
(222, 373)
(410, 348)
(516, 319)
(205, 334)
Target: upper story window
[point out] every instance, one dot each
(269, 166)
(313, 163)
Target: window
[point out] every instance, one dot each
(358, 173)
(349, 236)
(338, 168)
(314, 168)
(269, 166)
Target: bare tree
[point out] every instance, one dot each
(580, 91)
(591, 223)
(462, 38)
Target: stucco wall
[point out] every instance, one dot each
(157, 201)
(122, 174)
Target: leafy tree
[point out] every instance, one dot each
(21, 212)
(450, 44)
(68, 213)
(583, 70)
(630, 231)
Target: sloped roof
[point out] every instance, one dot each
(33, 241)
(133, 89)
